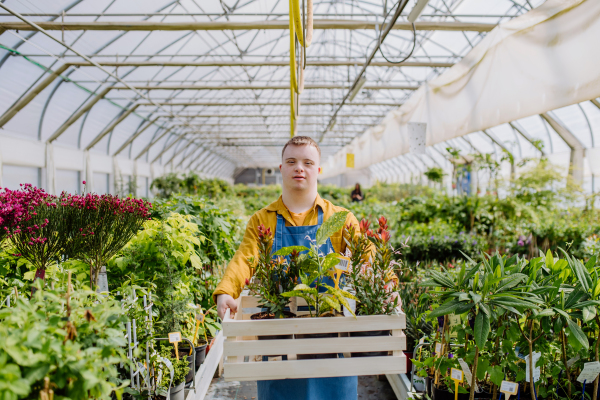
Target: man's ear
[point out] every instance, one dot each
(319, 169)
(279, 167)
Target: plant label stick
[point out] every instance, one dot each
(457, 377)
(467, 372)
(175, 338)
(340, 268)
(200, 320)
(509, 388)
(102, 281)
(590, 372)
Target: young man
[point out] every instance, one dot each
(298, 213)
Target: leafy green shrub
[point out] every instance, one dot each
(79, 355)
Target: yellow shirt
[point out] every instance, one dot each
(238, 269)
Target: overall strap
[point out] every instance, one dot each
(320, 220)
(278, 242)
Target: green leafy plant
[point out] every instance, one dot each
(373, 282)
(314, 266)
(74, 338)
(272, 276)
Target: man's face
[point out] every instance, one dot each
(300, 167)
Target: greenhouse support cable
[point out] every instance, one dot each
(409, 54)
(401, 5)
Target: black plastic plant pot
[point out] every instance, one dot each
(185, 352)
(177, 392)
(442, 394)
(200, 355)
(370, 353)
(316, 336)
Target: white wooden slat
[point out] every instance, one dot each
(315, 346)
(315, 368)
(314, 325)
(207, 370)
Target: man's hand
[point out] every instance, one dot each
(225, 301)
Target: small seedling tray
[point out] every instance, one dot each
(243, 352)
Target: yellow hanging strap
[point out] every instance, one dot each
(297, 17)
(293, 83)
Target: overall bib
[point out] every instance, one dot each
(342, 388)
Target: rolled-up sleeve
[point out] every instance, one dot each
(238, 269)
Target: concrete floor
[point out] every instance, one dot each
(369, 388)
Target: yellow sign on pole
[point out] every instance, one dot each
(175, 338)
(349, 160)
(457, 377)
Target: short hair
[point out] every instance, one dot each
(301, 141)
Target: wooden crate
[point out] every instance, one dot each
(241, 343)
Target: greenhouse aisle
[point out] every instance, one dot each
(369, 388)
(303, 195)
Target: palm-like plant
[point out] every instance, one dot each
(485, 290)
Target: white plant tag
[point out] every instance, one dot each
(536, 370)
(102, 281)
(508, 387)
(438, 349)
(573, 360)
(590, 372)
(174, 337)
(343, 264)
(467, 371)
(456, 375)
(351, 303)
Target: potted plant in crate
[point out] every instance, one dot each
(322, 299)
(314, 266)
(272, 277)
(374, 282)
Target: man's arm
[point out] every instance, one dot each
(238, 270)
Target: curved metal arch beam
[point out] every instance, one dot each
(209, 168)
(201, 160)
(519, 129)
(167, 148)
(184, 146)
(136, 134)
(204, 151)
(46, 104)
(111, 126)
(152, 143)
(190, 154)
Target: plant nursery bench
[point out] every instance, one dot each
(243, 352)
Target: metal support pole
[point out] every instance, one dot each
(577, 148)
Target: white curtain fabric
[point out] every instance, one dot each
(543, 60)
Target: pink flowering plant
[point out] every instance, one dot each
(372, 276)
(105, 223)
(35, 225)
(43, 228)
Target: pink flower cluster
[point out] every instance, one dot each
(107, 203)
(18, 206)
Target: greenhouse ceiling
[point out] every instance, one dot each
(148, 87)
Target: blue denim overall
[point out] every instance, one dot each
(342, 388)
